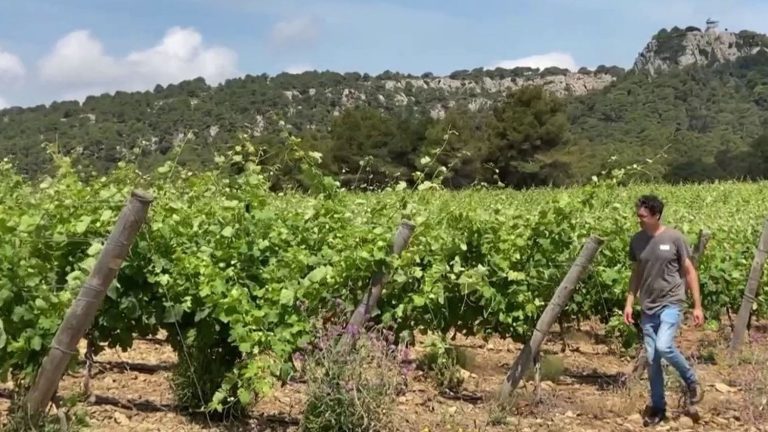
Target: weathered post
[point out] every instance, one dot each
(537, 377)
(640, 364)
(555, 306)
(82, 311)
(750, 291)
(701, 245)
(372, 295)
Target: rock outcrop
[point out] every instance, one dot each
(569, 84)
(682, 47)
(439, 93)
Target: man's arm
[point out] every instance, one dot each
(634, 285)
(634, 280)
(692, 282)
(689, 272)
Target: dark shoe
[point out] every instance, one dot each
(694, 393)
(653, 416)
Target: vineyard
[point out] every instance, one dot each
(241, 278)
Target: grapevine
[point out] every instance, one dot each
(225, 262)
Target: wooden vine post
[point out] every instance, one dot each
(640, 365)
(561, 297)
(371, 298)
(82, 311)
(750, 292)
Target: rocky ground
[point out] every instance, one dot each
(583, 396)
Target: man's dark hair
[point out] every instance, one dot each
(651, 202)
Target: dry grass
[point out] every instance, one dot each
(613, 403)
(748, 375)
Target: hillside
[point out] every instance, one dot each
(698, 98)
(110, 127)
(688, 89)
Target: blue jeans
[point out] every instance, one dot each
(659, 331)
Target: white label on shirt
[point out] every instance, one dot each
(664, 247)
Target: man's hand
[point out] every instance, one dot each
(698, 316)
(628, 315)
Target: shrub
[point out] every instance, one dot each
(204, 359)
(351, 387)
(442, 361)
(67, 418)
(748, 373)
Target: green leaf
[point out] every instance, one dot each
(287, 296)
(418, 300)
(113, 290)
(82, 224)
(317, 274)
(202, 313)
(173, 313)
(106, 215)
(130, 307)
(286, 371)
(244, 395)
(227, 232)
(28, 223)
(36, 343)
(3, 337)
(5, 294)
(94, 249)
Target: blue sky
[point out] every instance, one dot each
(68, 49)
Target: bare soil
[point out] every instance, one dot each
(584, 398)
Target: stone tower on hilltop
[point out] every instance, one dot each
(711, 26)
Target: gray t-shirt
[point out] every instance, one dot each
(660, 260)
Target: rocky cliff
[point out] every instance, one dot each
(440, 93)
(682, 47)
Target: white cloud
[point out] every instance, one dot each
(299, 30)
(3, 103)
(79, 63)
(11, 67)
(298, 68)
(79, 58)
(541, 61)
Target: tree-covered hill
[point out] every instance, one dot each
(702, 119)
(695, 101)
(109, 127)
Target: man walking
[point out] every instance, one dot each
(661, 270)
